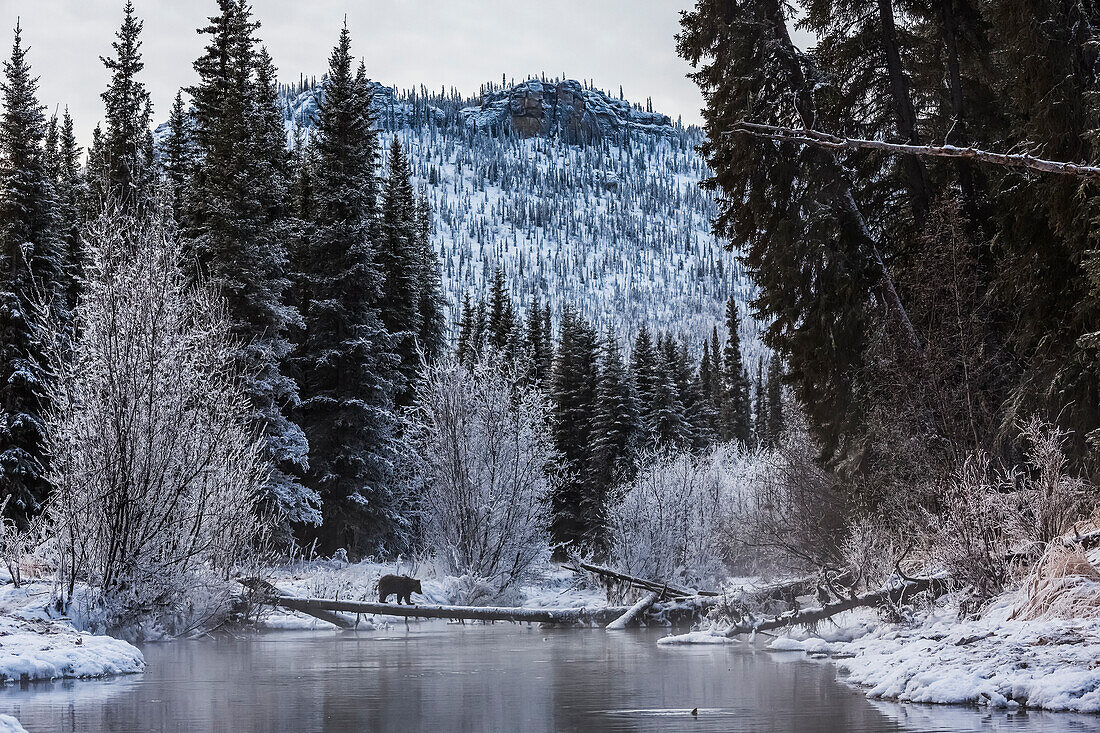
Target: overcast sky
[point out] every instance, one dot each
(459, 43)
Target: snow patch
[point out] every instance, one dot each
(38, 645)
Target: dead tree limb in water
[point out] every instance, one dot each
(641, 583)
(834, 142)
(272, 595)
(896, 592)
(634, 611)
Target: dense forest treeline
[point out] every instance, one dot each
(313, 249)
(608, 411)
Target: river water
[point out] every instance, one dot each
(448, 678)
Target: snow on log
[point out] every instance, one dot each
(833, 142)
(579, 615)
(895, 592)
(276, 597)
(638, 608)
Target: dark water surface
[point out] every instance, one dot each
(444, 678)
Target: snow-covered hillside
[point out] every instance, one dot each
(580, 196)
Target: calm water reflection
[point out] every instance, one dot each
(444, 678)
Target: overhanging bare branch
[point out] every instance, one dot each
(833, 142)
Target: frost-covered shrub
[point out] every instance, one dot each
(486, 453)
(994, 524)
(155, 465)
(794, 515)
(668, 523)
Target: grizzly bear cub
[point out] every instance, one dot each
(400, 585)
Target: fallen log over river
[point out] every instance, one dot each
(683, 612)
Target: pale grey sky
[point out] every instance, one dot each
(459, 43)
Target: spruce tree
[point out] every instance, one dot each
(614, 436)
(775, 423)
(534, 341)
(480, 331)
(760, 407)
(345, 361)
(464, 353)
(502, 314)
(432, 304)
(236, 229)
(177, 158)
(127, 146)
(667, 426)
(67, 179)
(400, 258)
(643, 372)
(795, 209)
(30, 269)
(573, 397)
(737, 408)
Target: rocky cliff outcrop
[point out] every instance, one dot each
(562, 108)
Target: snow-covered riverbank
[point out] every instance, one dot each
(992, 661)
(38, 644)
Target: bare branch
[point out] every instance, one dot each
(833, 142)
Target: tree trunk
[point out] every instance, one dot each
(632, 613)
(806, 78)
(916, 176)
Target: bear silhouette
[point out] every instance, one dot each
(400, 585)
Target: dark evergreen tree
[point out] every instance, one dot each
(573, 397)
(502, 314)
(535, 341)
(432, 316)
(643, 372)
(821, 267)
(127, 146)
(667, 426)
(775, 422)
(30, 270)
(480, 334)
(466, 323)
(344, 361)
(400, 257)
(236, 228)
(614, 438)
(737, 408)
(760, 407)
(177, 158)
(67, 178)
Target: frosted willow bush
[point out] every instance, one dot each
(155, 467)
(486, 451)
(669, 523)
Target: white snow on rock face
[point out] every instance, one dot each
(34, 646)
(577, 113)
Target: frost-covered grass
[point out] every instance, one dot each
(36, 643)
